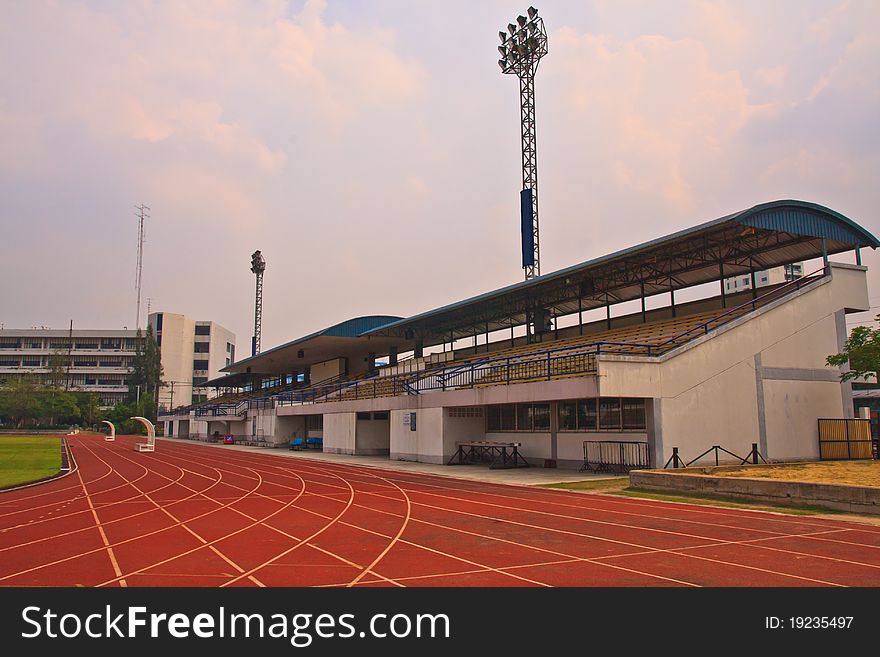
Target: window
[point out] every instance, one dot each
(508, 417)
(567, 415)
(199, 380)
(541, 417)
(200, 365)
(203, 329)
(158, 322)
(605, 414)
(380, 415)
(633, 414)
(609, 414)
(30, 362)
(363, 415)
(518, 417)
(745, 281)
(201, 347)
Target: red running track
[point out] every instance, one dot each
(197, 515)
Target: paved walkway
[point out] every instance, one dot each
(520, 476)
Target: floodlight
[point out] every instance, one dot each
(511, 28)
(502, 64)
(502, 36)
(503, 51)
(532, 12)
(521, 20)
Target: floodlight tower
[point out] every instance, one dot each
(522, 47)
(258, 266)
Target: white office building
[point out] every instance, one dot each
(193, 351)
(765, 277)
(92, 360)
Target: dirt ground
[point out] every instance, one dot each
(855, 473)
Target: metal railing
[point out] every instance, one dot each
(615, 455)
(559, 362)
(752, 457)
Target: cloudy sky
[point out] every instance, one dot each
(370, 148)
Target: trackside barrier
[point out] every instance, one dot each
(752, 457)
(150, 445)
(110, 437)
(846, 439)
(615, 455)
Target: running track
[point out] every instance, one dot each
(195, 515)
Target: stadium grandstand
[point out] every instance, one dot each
(644, 346)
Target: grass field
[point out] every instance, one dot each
(27, 458)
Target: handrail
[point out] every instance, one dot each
(796, 283)
(414, 382)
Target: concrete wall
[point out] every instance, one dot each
(339, 433)
(289, 426)
(327, 370)
(761, 379)
(372, 437)
(425, 444)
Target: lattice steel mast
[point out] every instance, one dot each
(142, 212)
(522, 47)
(258, 266)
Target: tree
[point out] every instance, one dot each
(18, 400)
(861, 351)
(146, 371)
(58, 364)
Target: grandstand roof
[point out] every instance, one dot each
(763, 236)
(341, 339)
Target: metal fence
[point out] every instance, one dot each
(846, 439)
(615, 455)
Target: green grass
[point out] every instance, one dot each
(732, 502)
(604, 485)
(28, 458)
(620, 486)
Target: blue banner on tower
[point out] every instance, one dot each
(527, 227)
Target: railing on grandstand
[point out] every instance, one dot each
(540, 366)
(223, 410)
(735, 312)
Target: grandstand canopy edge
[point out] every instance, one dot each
(761, 237)
(764, 236)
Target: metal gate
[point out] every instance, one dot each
(615, 455)
(846, 439)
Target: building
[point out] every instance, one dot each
(564, 363)
(193, 351)
(99, 360)
(765, 277)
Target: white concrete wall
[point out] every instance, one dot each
(339, 433)
(372, 437)
(327, 370)
(535, 446)
(425, 444)
(710, 391)
(178, 334)
(288, 427)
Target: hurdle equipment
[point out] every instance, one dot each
(112, 435)
(150, 445)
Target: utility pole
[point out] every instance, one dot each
(522, 47)
(69, 355)
(142, 212)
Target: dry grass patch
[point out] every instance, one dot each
(854, 473)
